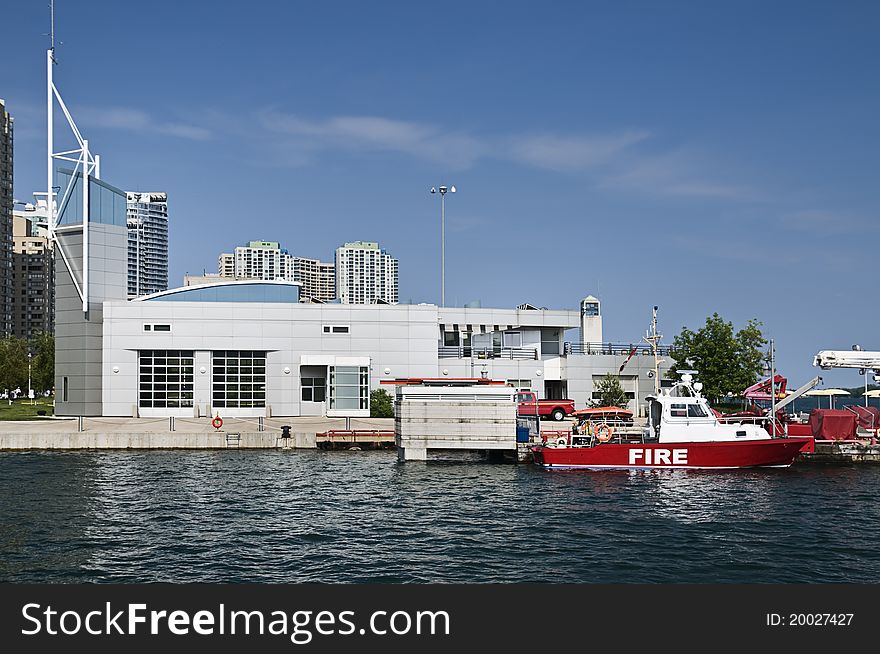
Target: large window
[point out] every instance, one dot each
(239, 379)
(512, 339)
(349, 387)
(165, 378)
(313, 389)
(549, 341)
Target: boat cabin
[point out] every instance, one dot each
(682, 414)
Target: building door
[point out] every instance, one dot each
(555, 389)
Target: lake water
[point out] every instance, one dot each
(313, 516)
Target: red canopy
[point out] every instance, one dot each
(833, 424)
(867, 416)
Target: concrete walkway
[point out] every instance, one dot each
(190, 425)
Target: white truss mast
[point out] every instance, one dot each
(85, 166)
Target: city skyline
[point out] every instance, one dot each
(700, 159)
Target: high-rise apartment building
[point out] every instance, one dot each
(365, 274)
(147, 221)
(268, 260)
(260, 260)
(226, 265)
(33, 306)
(5, 221)
(318, 279)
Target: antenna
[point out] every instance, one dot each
(51, 33)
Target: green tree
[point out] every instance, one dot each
(727, 362)
(610, 392)
(43, 361)
(13, 364)
(381, 405)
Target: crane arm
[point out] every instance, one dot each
(796, 394)
(827, 359)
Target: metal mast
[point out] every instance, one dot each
(653, 338)
(772, 387)
(85, 165)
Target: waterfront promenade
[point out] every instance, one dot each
(179, 433)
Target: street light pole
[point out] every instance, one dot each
(443, 190)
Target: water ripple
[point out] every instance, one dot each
(362, 517)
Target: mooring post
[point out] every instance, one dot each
(79, 423)
(171, 423)
(260, 421)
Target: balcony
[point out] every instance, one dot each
(468, 352)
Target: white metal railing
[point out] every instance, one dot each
(469, 352)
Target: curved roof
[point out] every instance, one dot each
(250, 290)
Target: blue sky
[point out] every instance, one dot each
(698, 156)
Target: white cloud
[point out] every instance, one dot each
(673, 173)
(372, 133)
(184, 131)
(614, 160)
(570, 153)
(137, 120)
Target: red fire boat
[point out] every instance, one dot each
(682, 432)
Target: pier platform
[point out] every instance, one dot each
(348, 439)
(837, 452)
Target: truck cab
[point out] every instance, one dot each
(528, 404)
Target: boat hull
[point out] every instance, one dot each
(775, 452)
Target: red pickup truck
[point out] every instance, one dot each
(528, 404)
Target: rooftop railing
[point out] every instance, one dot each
(614, 349)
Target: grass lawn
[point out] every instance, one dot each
(24, 410)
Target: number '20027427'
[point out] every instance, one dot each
(809, 619)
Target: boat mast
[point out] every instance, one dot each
(652, 338)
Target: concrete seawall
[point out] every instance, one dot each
(154, 441)
(153, 434)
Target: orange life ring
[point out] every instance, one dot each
(217, 422)
(603, 432)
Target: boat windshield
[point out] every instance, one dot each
(697, 411)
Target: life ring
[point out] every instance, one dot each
(217, 422)
(603, 432)
(562, 440)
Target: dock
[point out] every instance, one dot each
(355, 439)
(842, 452)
